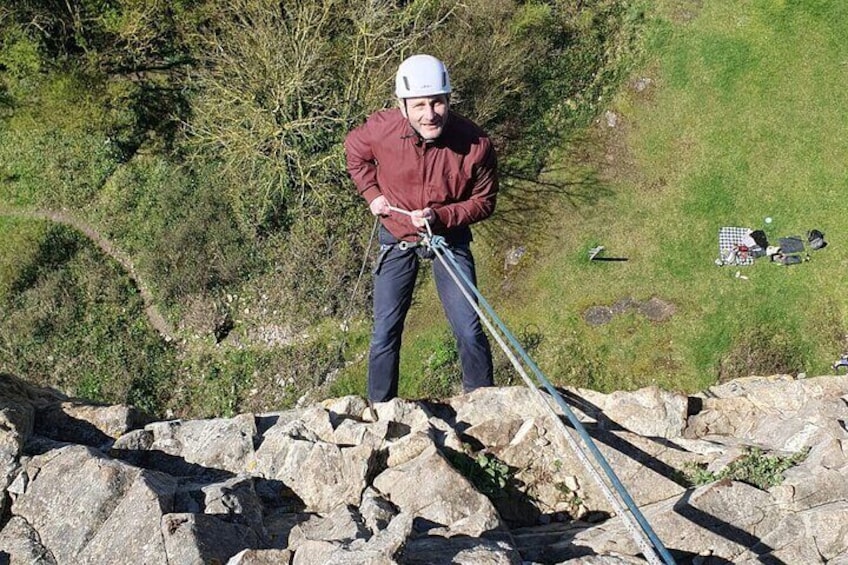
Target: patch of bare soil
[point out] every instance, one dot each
(655, 309)
(684, 11)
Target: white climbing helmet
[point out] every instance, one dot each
(421, 75)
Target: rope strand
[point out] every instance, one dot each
(645, 539)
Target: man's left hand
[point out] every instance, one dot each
(420, 218)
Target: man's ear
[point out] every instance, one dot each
(402, 105)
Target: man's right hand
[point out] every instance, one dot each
(380, 206)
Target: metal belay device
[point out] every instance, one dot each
(615, 493)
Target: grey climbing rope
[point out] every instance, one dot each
(365, 255)
(346, 318)
(636, 524)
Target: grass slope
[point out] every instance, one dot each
(743, 119)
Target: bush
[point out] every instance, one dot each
(278, 88)
(173, 220)
(53, 152)
(75, 321)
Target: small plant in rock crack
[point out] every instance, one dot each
(487, 473)
(494, 472)
(569, 496)
(755, 467)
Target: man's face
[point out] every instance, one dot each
(427, 114)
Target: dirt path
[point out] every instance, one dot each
(108, 247)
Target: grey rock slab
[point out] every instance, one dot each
(78, 422)
(412, 414)
(778, 413)
(322, 474)
(132, 528)
(203, 538)
(649, 411)
(809, 485)
(279, 525)
(430, 488)
(384, 548)
(408, 448)
(546, 464)
(236, 498)
(17, 420)
(318, 421)
(816, 535)
(262, 557)
(605, 560)
(459, 550)
(376, 510)
(20, 544)
(342, 524)
(79, 500)
(316, 552)
(224, 444)
(722, 519)
(495, 403)
(345, 407)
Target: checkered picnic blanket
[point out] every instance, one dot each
(728, 240)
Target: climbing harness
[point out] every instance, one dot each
(634, 521)
(385, 248)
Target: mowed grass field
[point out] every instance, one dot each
(737, 113)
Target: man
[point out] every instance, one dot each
(440, 167)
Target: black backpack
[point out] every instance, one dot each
(816, 239)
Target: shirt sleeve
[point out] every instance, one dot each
(481, 202)
(361, 163)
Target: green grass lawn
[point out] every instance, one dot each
(744, 118)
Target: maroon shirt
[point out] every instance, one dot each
(455, 174)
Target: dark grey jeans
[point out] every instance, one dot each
(394, 282)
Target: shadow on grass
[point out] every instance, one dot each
(534, 201)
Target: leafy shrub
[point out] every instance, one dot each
(754, 467)
(278, 88)
(46, 165)
(174, 222)
(76, 321)
(487, 473)
(316, 262)
(19, 54)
